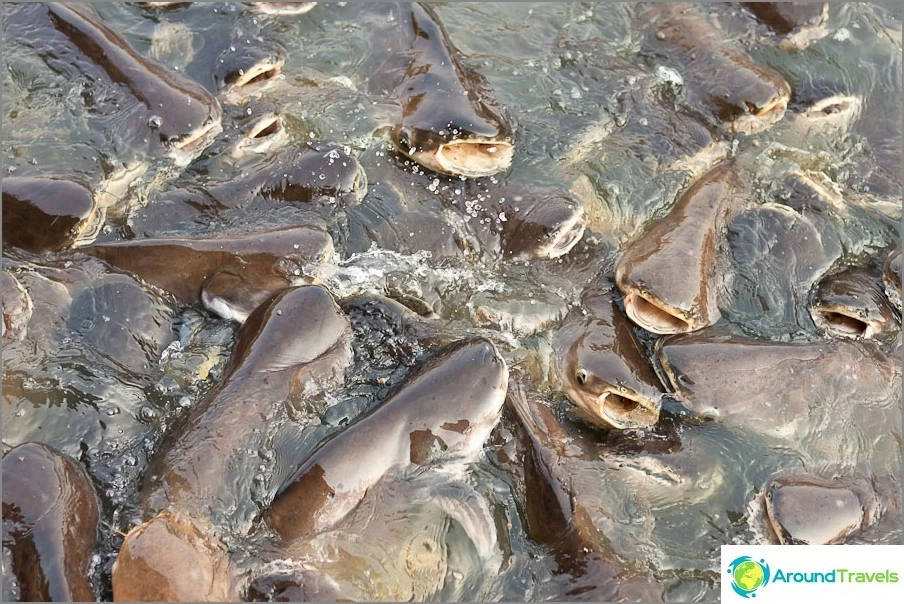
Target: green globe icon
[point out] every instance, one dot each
(748, 575)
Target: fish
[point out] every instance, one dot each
(689, 239)
(835, 505)
(282, 8)
(296, 340)
(172, 558)
(230, 276)
(449, 122)
(602, 367)
(539, 223)
(175, 115)
(852, 304)
(433, 416)
(891, 277)
(295, 344)
(245, 70)
(47, 214)
(17, 308)
(50, 523)
(735, 93)
(796, 23)
(817, 393)
(562, 504)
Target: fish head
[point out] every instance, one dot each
(812, 510)
(754, 98)
(606, 391)
(282, 8)
(853, 304)
(246, 69)
(604, 371)
(170, 559)
(472, 378)
(256, 131)
(541, 225)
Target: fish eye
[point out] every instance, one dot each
(581, 376)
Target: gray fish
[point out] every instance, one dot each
(891, 277)
(50, 523)
(282, 8)
(735, 92)
(231, 276)
(48, 214)
(435, 415)
(852, 304)
(17, 308)
(449, 122)
(783, 389)
(687, 239)
(822, 508)
(246, 70)
(602, 367)
(797, 23)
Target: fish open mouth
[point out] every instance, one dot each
(758, 119)
(264, 134)
(843, 322)
(282, 8)
(626, 409)
(655, 316)
(566, 237)
(199, 139)
(259, 75)
(472, 159)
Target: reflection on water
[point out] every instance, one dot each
(108, 366)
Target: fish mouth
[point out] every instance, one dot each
(282, 8)
(652, 314)
(260, 74)
(196, 141)
(566, 237)
(468, 158)
(264, 134)
(622, 408)
(760, 118)
(843, 322)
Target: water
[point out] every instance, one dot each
(66, 386)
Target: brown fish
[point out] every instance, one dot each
(294, 344)
(230, 275)
(602, 367)
(734, 91)
(560, 475)
(434, 415)
(852, 304)
(49, 524)
(298, 338)
(171, 559)
(179, 118)
(48, 214)
(245, 70)
(539, 223)
(449, 123)
(669, 273)
(797, 23)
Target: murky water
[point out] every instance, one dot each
(105, 383)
